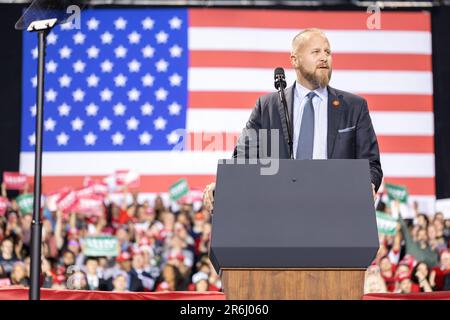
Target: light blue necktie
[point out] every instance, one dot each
(305, 144)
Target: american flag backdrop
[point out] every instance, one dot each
(119, 90)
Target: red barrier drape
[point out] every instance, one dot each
(20, 293)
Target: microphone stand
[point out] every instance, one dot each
(286, 113)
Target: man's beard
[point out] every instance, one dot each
(317, 79)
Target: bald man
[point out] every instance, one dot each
(327, 123)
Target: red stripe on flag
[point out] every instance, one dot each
(416, 186)
(246, 59)
(406, 144)
(225, 141)
(407, 21)
(247, 100)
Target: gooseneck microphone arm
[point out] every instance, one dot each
(280, 85)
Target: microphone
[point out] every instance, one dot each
(280, 78)
(280, 85)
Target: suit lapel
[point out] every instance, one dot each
(334, 114)
(289, 94)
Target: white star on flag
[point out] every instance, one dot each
(160, 123)
(106, 94)
(161, 65)
(106, 66)
(161, 94)
(105, 124)
(132, 123)
(134, 37)
(35, 52)
(172, 138)
(119, 109)
(117, 138)
(147, 109)
(89, 139)
(120, 80)
(161, 37)
(62, 139)
(64, 110)
(52, 38)
(65, 81)
(134, 94)
(175, 23)
(77, 124)
(147, 80)
(92, 80)
(175, 80)
(65, 52)
(175, 51)
(148, 23)
(120, 24)
(107, 37)
(91, 109)
(51, 66)
(79, 38)
(34, 81)
(120, 52)
(51, 95)
(93, 52)
(32, 139)
(145, 138)
(148, 52)
(93, 24)
(79, 66)
(78, 95)
(174, 109)
(49, 124)
(134, 66)
(33, 110)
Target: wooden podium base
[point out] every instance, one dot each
(293, 284)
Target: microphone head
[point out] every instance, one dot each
(279, 78)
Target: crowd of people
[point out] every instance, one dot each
(165, 248)
(415, 259)
(159, 249)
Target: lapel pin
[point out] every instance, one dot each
(336, 103)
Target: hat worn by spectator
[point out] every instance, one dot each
(124, 256)
(199, 276)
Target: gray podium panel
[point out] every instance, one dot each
(311, 214)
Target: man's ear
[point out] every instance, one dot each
(294, 61)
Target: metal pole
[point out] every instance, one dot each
(36, 227)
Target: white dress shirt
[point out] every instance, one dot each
(320, 104)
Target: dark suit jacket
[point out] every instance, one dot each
(358, 141)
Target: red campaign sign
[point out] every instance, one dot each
(127, 178)
(100, 189)
(90, 206)
(68, 202)
(53, 198)
(14, 180)
(3, 206)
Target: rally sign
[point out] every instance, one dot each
(68, 202)
(386, 224)
(14, 180)
(90, 206)
(396, 192)
(127, 178)
(103, 246)
(25, 203)
(178, 189)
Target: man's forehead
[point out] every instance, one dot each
(311, 38)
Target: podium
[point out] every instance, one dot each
(306, 232)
